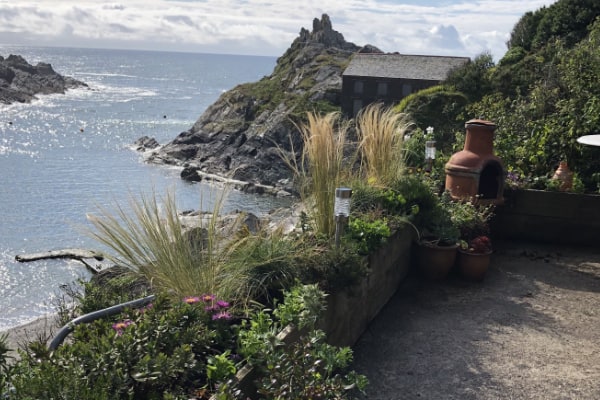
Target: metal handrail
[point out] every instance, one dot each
(68, 328)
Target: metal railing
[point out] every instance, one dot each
(68, 328)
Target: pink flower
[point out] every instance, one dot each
(208, 298)
(223, 304)
(191, 299)
(145, 308)
(221, 315)
(121, 325)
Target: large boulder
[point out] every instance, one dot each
(21, 81)
(243, 135)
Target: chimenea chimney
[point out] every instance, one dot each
(475, 173)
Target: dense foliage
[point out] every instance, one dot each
(543, 94)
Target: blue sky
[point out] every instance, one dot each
(264, 27)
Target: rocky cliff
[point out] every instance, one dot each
(21, 81)
(238, 136)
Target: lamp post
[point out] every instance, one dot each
(341, 210)
(429, 149)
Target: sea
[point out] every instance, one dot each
(67, 155)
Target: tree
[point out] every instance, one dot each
(473, 78)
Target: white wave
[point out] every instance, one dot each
(109, 74)
(4, 150)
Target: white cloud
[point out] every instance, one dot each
(459, 27)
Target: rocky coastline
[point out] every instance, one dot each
(20, 81)
(243, 135)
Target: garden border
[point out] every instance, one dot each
(546, 216)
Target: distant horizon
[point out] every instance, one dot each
(3, 45)
(251, 27)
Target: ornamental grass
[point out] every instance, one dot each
(381, 133)
(149, 239)
(321, 168)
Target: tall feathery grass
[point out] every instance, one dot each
(381, 133)
(266, 262)
(149, 239)
(215, 257)
(321, 169)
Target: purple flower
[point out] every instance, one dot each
(211, 309)
(221, 315)
(191, 299)
(208, 298)
(142, 310)
(121, 325)
(223, 304)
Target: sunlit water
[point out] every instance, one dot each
(63, 156)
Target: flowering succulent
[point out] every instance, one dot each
(221, 315)
(121, 325)
(217, 309)
(191, 299)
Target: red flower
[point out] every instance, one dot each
(480, 244)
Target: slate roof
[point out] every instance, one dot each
(402, 66)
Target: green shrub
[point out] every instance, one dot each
(369, 235)
(334, 268)
(307, 368)
(148, 353)
(378, 200)
(6, 368)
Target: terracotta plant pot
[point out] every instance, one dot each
(435, 261)
(473, 266)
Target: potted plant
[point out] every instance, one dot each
(472, 220)
(437, 242)
(473, 257)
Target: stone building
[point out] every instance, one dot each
(389, 77)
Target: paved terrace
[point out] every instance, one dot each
(531, 330)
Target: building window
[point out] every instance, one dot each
(406, 89)
(382, 88)
(356, 106)
(358, 87)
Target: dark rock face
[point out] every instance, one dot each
(21, 81)
(243, 134)
(145, 143)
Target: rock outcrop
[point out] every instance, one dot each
(21, 81)
(242, 134)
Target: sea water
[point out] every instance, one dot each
(64, 156)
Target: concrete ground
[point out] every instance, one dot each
(530, 330)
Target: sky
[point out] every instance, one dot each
(264, 27)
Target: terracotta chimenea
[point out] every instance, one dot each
(475, 173)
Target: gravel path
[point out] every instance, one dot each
(531, 330)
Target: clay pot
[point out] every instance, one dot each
(473, 266)
(435, 261)
(564, 175)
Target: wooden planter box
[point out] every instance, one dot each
(349, 312)
(552, 217)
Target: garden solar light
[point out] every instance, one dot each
(341, 210)
(342, 202)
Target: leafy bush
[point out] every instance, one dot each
(369, 235)
(334, 268)
(307, 368)
(378, 200)
(6, 368)
(148, 353)
(471, 219)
